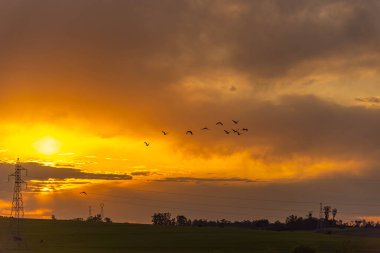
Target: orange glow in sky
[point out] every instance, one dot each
(47, 146)
(84, 84)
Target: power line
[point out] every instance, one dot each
(291, 211)
(293, 202)
(248, 199)
(191, 203)
(194, 210)
(261, 199)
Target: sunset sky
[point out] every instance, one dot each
(84, 83)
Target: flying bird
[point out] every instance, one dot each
(235, 131)
(165, 133)
(235, 121)
(219, 123)
(245, 129)
(227, 132)
(189, 132)
(205, 128)
(83, 193)
(146, 143)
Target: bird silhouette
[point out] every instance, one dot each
(189, 132)
(164, 133)
(235, 131)
(227, 132)
(83, 193)
(146, 143)
(205, 128)
(235, 121)
(219, 123)
(245, 129)
(238, 133)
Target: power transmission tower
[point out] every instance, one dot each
(16, 239)
(102, 211)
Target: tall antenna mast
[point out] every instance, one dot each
(17, 211)
(102, 210)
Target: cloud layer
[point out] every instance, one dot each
(47, 178)
(126, 53)
(298, 74)
(136, 67)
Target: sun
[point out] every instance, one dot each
(47, 146)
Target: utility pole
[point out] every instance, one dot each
(89, 211)
(16, 239)
(102, 211)
(321, 221)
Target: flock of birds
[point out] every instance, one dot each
(237, 131)
(219, 123)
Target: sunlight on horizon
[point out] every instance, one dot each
(84, 149)
(47, 146)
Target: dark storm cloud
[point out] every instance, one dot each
(293, 125)
(123, 61)
(274, 37)
(143, 173)
(119, 47)
(40, 172)
(308, 125)
(41, 177)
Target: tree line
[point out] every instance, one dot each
(292, 222)
(95, 218)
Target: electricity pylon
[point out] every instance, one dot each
(16, 239)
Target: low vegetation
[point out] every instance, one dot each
(58, 236)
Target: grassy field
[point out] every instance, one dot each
(81, 237)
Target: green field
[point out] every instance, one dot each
(70, 236)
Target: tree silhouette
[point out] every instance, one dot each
(327, 211)
(107, 220)
(291, 219)
(163, 219)
(181, 220)
(96, 218)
